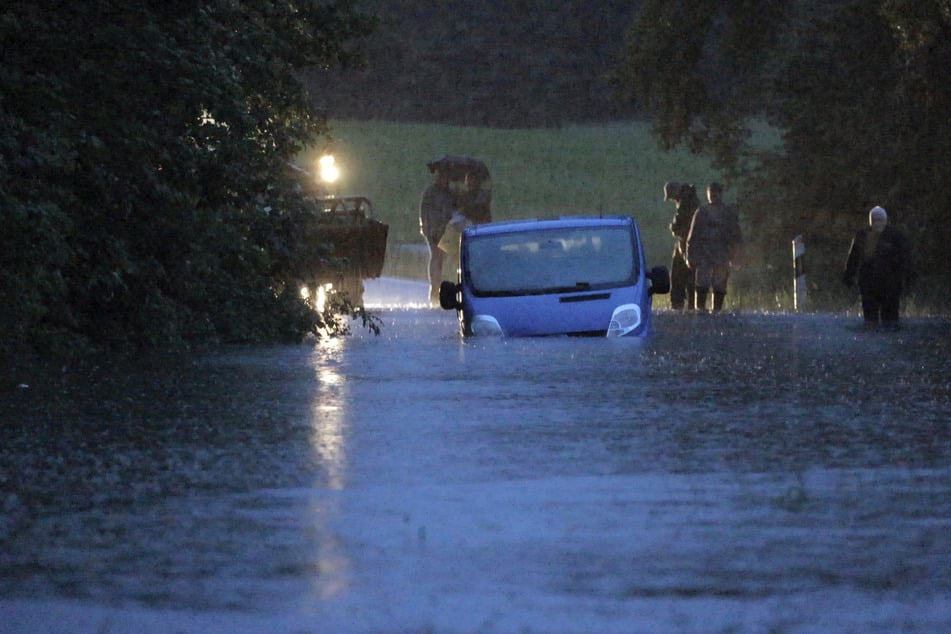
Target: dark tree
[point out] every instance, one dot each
(498, 63)
(858, 89)
(143, 184)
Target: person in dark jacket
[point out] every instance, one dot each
(686, 202)
(713, 246)
(880, 259)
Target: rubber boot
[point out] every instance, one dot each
(718, 301)
(701, 295)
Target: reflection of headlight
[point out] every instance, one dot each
(328, 170)
(626, 318)
(486, 326)
(320, 299)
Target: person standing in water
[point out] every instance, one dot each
(686, 202)
(879, 258)
(435, 211)
(713, 246)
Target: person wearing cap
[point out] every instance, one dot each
(713, 246)
(686, 202)
(880, 258)
(436, 208)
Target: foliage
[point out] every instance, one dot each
(144, 192)
(859, 89)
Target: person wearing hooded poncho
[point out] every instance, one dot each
(714, 245)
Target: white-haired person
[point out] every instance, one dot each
(880, 259)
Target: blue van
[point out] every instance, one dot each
(583, 276)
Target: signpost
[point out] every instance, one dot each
(799, 272)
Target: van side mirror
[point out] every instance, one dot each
(449, 295)
(660, 280)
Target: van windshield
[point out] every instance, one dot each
(555, 260)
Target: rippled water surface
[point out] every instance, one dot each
(742, 472)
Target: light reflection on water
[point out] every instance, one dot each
(329, 429)
(329, 425)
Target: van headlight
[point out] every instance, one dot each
(485, 326)
(626, 318)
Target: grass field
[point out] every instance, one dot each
(614, 168)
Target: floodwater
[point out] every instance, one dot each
(732, 473)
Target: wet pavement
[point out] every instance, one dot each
(743, 472)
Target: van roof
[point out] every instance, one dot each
(530, 224)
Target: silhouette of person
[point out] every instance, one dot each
(879, 257)
(686, 202)
(435, 211)
(713, 244)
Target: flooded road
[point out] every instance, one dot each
(736, 473)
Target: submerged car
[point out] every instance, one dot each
(583, 276)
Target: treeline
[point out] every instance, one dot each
(858, 90)
(497, 63)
